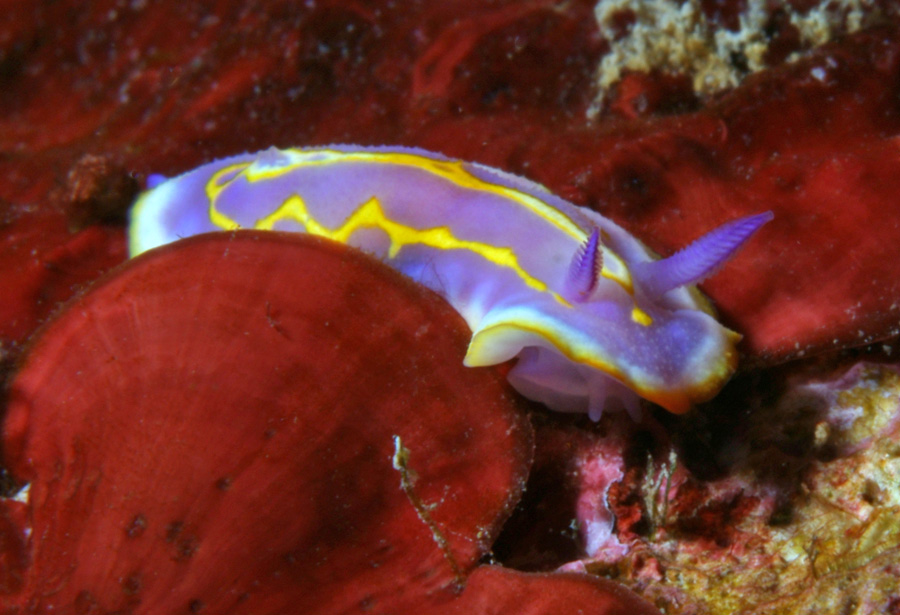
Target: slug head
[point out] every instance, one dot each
(617, 342)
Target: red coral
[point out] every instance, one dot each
(494, 590)
(43, 264)
(506, 83)
(213, 428)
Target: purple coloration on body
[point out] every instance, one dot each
(593, 317)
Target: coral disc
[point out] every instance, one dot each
(213, 426)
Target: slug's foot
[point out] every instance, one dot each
(545, 376)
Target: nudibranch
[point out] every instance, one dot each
(594, 317)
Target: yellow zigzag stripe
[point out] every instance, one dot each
(401, 235)
(450, 170)
(370, 214)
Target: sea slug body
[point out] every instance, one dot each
(595, 319)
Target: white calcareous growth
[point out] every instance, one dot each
(677, 37)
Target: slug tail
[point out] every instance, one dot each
(700, 259)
